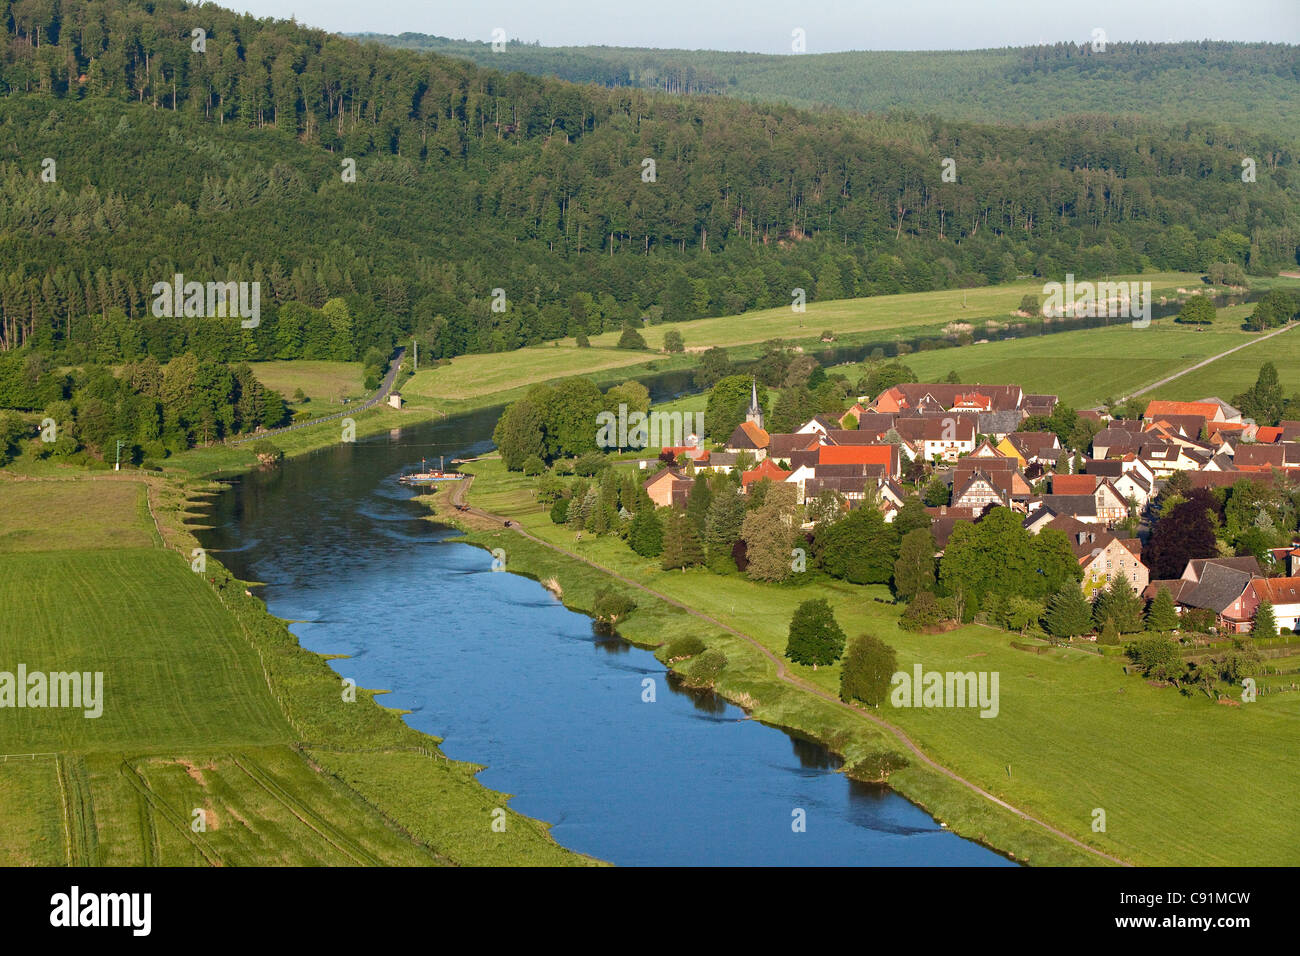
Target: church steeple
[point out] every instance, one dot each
(755, 412)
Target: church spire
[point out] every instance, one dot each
(755, 412)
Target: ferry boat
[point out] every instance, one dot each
(426, 477)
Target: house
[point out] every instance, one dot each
(946, 437)
(395, 399)
(1165, 459)
(1229, 413)
(749, 437)
(977, 492)
(985, 449)
(1196, 567)
(1131, 477)
(1039, 405)
(1283, 594)
(1116, 442)
(764, 469)
(1003, 473)
(1074, 484)
(875, 423)
(1222, 589)
(668, 487)
(817, 425)
(944, 518)
(853, 482)
(1039, 519)
(1208, 411)
(1267, 434)
(1041, 447)
(1285, 454)
(1101, 555)
(718, 461)
(999, 424)
(781, 448)
(884, 455)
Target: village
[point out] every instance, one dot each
(958, 447)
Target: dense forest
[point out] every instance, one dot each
(224, 156)
(1246, 84)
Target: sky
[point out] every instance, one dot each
(766, 26)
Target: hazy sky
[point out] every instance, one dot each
(765, 25)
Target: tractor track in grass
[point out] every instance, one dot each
(456, 498)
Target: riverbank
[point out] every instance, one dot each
(1073, 735)
(754, 679)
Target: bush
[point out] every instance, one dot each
(266, 450)
(925, 611)
(560, 511)
(683, 647)
(583, 343)
(877, 766)
(590, 463)
(631, 339)
(673, 341)
(706, 669)
(611, 606)
(533, 465)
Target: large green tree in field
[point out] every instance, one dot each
(868, 668)
(815, 636)
(860, 548)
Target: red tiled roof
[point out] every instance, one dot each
(1074, 484)
(1278, 590)
(1158, 408)
(765, 469)
(856, 455)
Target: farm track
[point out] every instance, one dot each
(160, 809)
(305, 815)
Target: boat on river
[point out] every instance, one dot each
(427, 476)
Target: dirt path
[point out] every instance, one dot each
(1204, 362)
(485, 520)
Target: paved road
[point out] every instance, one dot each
(1205, 362)
(385, 387)
(457, 497)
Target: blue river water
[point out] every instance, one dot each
(510, 679)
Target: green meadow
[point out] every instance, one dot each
(1088, 366)
(1180, 778)
(220, 741)
(471, 376)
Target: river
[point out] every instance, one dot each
(511, 679)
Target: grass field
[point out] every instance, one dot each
(1181, 779)
(206, 705)
(1087, 367)
(470, 376)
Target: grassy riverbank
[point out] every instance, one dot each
(211, 713)
(1073, 734)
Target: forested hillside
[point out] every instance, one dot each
(1255, 85)
(226, 163)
